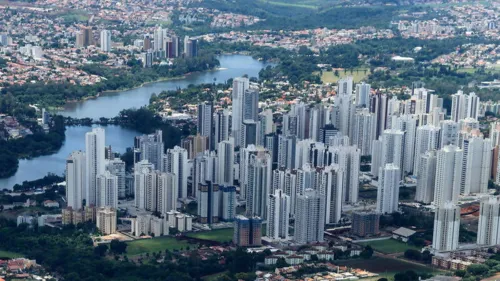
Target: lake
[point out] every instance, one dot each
(110, 104)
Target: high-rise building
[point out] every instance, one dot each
(464, 106)
(150, 148)
(310, 217)
(278, 215)
(331, 186)
(344, 109)
(158, 36)
(265, 126)
(208, 202)
(76, 180)
(154, 191)
(247, 231)
(426, 177)
(286, 180)
(226, 162)
(107, 190)
(446, 227)
(365, 223)
(147, 44)
(390, 150)
(84, 37)
(449, 133)
(248, 133)
(378, 105)
(190, 47)
(488, 231)
(105, 40)
(228, 203)
(427, 139)
(476, 167)
(388, 189)
(222, 123)
(175, 161)
(147, 59)
(286, 151)
(106, 220)
(364, 131)
(206, 121)
(348, 158)
(408, 125)
(240, 85)
(448, 175)
(95, 162)
(363, 94)
(258, 184)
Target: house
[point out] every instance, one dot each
(402, 234)
(50, 204)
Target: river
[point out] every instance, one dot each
(110, 104)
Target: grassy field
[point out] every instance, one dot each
(289, 4)
(143, 246)
(389, 246)
(218, 235)
(386, 267)
(358, 75)
(9, 255)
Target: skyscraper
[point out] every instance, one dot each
(388, 189)
(240, 85)
(427, 139)
(105, 41)
(408, 125)
(150, 148)
(106, 220)
(364, 131)
(464, 106)
(222, 123)
(363, 94)
(348, 158)
(247, 231)
(228, 203)
(476, 168)
(175, 161)
(208, 202)
(331, 187)
(205, 122)
(226, 163)
(107, 190)
(117, 168)
(449, 133)
(446, 227)
(95, 162)
(488, 231)
(76, 180)
(278, 215)
(448, 175)
(426, 177)
(310, 217)
(258, 184)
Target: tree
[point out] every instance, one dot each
(460, 273)
(118, 247)
(413, 254)
(367, 252)
(101, 250)
(281, 262)
(477, 269)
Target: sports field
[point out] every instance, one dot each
(143, 246)
(389, 246)
(218, 235)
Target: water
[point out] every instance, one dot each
(110, 105)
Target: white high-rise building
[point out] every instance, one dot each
(363, 94)
(287, 146)
(265, 126)
(448, 175)
(464, 106)
(488, 231)
(348, 158)
(476, 168)
(426, 177)
(226, 162)
(105, 40)
(222, 126)
(344, 86)
(389, 151)
(158, 39)
(343, 111)
(388, 189)
(107, 190)
(310, 217)
(228, 203)
(154, 191)
(427, 139)
(446, 227)
(150, 147)
(258, 185)
(206, 121)
(286, 180)
(245, 156)
(278, 210)
(364, 131)
(331, 186)
(95, 162)
(208, 202)
(106, 220)
(408, 125)
(240, 85)
(75, 180)
(117, 168)
(307, 177)
(449, 133)
(176, 161)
